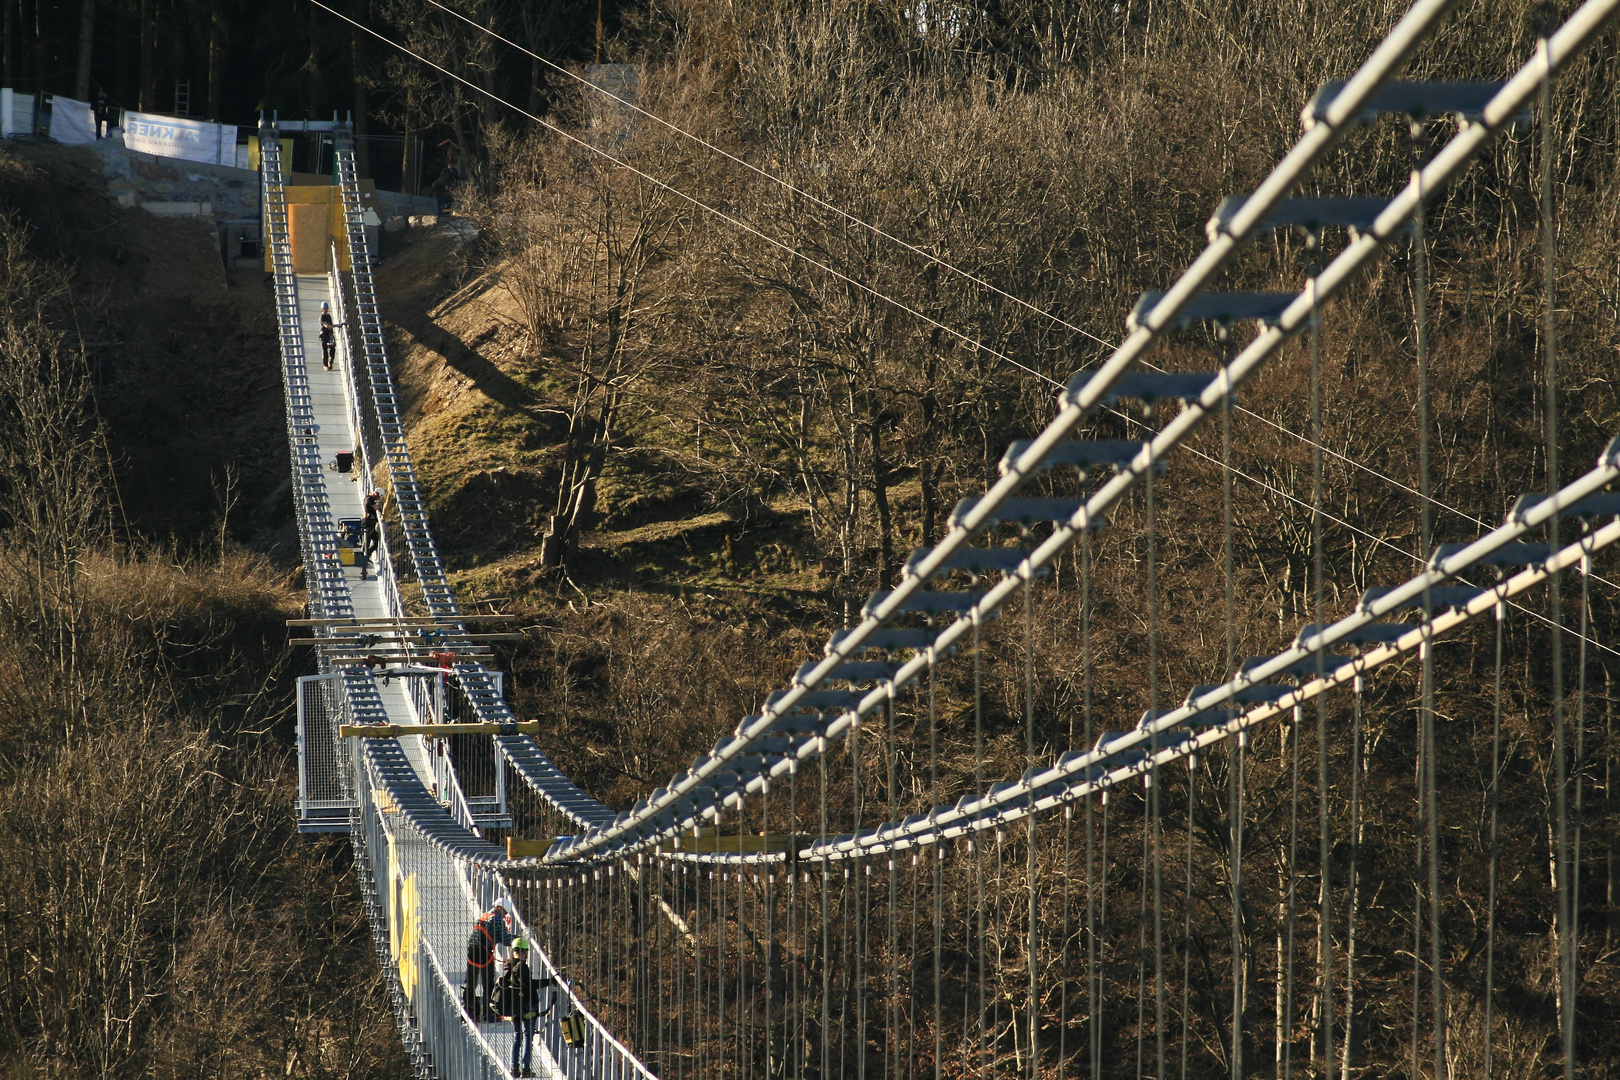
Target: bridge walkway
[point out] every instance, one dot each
(334, 408)
(446, 904)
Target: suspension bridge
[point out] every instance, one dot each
(803, 901)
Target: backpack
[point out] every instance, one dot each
(509, 995)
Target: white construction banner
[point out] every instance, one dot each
(188, 140)
(72, 121)
(16, 113)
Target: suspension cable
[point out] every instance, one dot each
(1324, 940)
(1489, 1048)
(732, 220)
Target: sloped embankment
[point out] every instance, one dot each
(668, 580)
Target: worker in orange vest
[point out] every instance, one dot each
(491, 930)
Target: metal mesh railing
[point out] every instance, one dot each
(324, 795)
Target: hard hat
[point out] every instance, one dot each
(520, 944)
(324, 305)
(503, 904)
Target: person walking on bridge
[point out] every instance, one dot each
(328, 335)
(491, 930)
(371, 524)
(371, 529)
(519, 995)
(104, 114)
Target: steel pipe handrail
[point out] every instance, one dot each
(1012, 801)
(329, 594)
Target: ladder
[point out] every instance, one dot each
(396, 454)
(482, 691)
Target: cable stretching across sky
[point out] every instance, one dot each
(662, 185)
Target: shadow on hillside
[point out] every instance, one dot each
(465, 358)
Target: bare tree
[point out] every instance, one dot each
(52, 460)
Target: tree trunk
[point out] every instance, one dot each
(1609, 891)
(927, 476)
(148, 95)
(40, 53)
(122, 92)
(459, 151)
(216, 63)
(852, 508)
(87, 36)
(6, 71)
(407, 180)
(880, 496)
(577, 489)
(1350, 965)
(1278, 1034)
(314, 86)
(362, 148)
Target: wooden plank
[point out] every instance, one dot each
(389, 650)
(450, 642)
(395, 731)
(398, 661)
(416, 634)
(308, 227)
(708, 843)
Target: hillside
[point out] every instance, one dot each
(163, 916)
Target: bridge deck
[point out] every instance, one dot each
(446, 906)
(347, 492)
